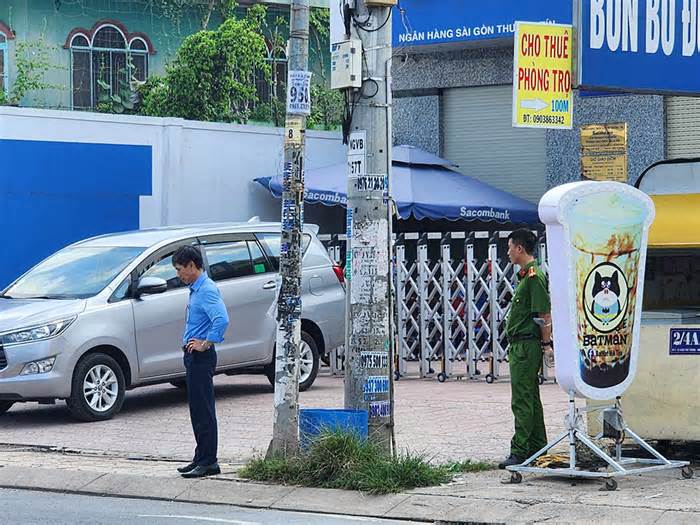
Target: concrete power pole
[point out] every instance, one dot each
(368, 381)
(285, 434)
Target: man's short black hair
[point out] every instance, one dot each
(524, 238)
(184, 255)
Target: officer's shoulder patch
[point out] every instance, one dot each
(532, 272)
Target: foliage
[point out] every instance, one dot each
(273, 112)
(320, 28)
(176, 9)
(326, 107)
(340, 460)
(327, 104)
(153, 95)
(126, 95)
(212, 77)
(33, 63)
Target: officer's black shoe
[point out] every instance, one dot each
(200, 471)
(510, 460)
(186, 468)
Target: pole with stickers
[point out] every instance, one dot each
(285, 435)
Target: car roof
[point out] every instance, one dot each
(152, 236)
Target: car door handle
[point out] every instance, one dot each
(269, 285)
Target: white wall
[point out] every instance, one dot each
(202, 172)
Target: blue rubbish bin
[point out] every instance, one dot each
(313, 420)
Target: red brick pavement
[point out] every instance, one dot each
(453, 420)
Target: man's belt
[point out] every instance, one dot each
(521, 338)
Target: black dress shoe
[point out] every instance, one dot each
(187, 468)
(201, 471)
(510, 460)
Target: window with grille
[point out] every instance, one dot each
(104, 61)
(274, 87)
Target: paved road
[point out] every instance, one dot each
(453, 420)
(29, 507)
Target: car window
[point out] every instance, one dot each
(260, 262)
(272, 242)
(76, 272)
(122, 291)
(165, 270)
(229, 260)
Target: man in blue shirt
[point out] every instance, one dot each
(205, 325)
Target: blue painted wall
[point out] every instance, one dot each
(56, 193)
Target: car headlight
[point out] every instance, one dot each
(36, 333)
(38, 367)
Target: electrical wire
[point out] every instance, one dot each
(348, 113)
(364, 83)
(360, 25)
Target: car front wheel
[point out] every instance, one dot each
(308, 363)
(97, 392)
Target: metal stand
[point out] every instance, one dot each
(617, 466)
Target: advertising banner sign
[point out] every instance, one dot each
(645, 46)
(421, 22)
(542, 94)
(597, 240)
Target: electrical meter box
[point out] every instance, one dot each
(346, 64)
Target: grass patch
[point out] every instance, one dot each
(343, 461)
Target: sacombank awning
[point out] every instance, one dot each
(423, 187)
(674, 186)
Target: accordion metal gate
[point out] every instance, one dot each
(452, 294)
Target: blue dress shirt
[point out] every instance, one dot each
(207, 317)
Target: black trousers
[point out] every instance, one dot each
(200, 395)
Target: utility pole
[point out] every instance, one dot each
(285, 433)
(368, 381)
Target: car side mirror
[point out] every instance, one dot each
(151, 285)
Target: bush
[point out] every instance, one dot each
(212, 75)
(343, 461)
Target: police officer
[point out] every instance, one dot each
(528, 340)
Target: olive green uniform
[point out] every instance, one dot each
(525, 357)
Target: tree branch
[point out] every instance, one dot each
(207, 14)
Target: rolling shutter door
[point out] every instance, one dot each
(478, 136)
(682, 127)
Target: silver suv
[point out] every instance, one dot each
(107, 314)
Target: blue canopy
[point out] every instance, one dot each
(422, 186)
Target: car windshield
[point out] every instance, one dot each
(76, 272)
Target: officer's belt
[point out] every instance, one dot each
(521, 338)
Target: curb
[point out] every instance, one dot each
(210, 491)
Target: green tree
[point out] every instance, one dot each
(212, 77)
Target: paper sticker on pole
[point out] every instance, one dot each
(357, 154)
(542, 93)
(294, 130)
(299, 92)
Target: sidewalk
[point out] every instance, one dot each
(455, 420)
(660, 498)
